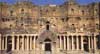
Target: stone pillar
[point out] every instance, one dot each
(67, 42)
(92, 42)
(64, 42)
(5, 42)
(0, 42)
(27, 42)
(60, 42)
(13, 44)
(34, 41)
(77, 40)
(95, 43)
(72, 42)
(17, 42)
(89, 42)
(22, 42)
(82, 43)
(30, 42)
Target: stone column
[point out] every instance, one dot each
(22, 42)
(82, 43)
(13, 44)
(67, 42)
(95, 43)
(34, 41)
(0, 42)
(17, 42)
(72, 42)
(64, 42)
(27, 42)
(30, 42)
(77, 40)
(92, 42)
(89, 42)
(5, 42)
(60, 42)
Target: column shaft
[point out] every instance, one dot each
(34, 42)
(22, 42)
(72, 43)
(60, 42)
(6, 43)
(89, 42)
(13, 44)
(64, 42)
(17, 42)
(67, 42)
(27, 42)
(77, 39)
(30, 42)
(95, 43)
(0, 42)
(82, 43)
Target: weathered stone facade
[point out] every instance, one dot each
(29, 28)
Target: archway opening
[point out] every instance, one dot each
(47, 44)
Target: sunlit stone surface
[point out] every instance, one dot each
(69, 28)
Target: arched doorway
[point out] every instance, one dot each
(47, 44)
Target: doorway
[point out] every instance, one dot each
(47, 46)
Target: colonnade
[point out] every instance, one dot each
(77, 42)
(20, 42)
(28, 42)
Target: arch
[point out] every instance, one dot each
(47, 40)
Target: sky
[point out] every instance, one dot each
(57, 2)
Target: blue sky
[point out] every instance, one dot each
(43, 2)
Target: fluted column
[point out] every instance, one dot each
(13, 44)
(67, 42)
(17, 42)
(60, 42)
(27, 42)
(82, 43)
(22, 42)
(64, 42)
(0, 42)
(77, 39)
(89, 42)
(30, 42)
(95, 43)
